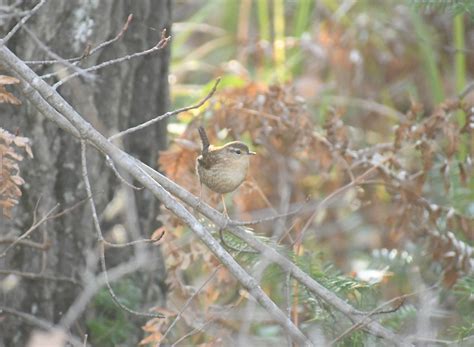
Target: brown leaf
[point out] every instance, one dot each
(151, 339)
(10, 179)
(8, 80)
(158, 234)
(7, 97)
(450, 277)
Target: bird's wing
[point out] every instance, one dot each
(204, 161)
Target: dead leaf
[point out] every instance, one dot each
(8, 80)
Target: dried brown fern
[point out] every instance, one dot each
(10, 179)
(399, 197)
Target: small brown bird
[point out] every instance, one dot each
(222, 169)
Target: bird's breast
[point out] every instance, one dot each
(223, 177)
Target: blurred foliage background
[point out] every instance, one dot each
(326, 91)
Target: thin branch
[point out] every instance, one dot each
(35, 210)
(36, 224)
(39, 276)
(96, 283)
(331, 196)
(25, 243)
(285, 193)
(457, 343)
(73, 207)
(116, 38)
(369, 105)
(167, 114)
(188, 302)
(102, 241)
(21, 22)
(111, 164)
(128, 244)
(45, 48)
(205, 324)
(160, 45)
(399, 300)
(360, 325)
(192, 332)
(87, 51)
(29, 231)
(94, 212)
(271, 218)
(466, 90)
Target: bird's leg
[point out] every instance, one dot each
(225, 208)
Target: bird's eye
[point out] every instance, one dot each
(238, 151)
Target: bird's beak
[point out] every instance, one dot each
(252, 153)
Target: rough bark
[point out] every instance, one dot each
(123, 95)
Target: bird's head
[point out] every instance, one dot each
(237, 150)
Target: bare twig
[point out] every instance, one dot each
(284, 191)
(116, 38)
(205, 324)
(188, 302)
(95, 283)
(26, 243)
(331, 196)
(85, 54)
(22, 22)
(399, 300)
(430, 341)
(39, 276)
(278, 230)
(87, 51)
(45, 48)
(160, 45)
(269, 219)
(111, 164)
(36, 224)
(29, 231)
(96, 218)
(466, 90)
(167, 114)
(69, 209)
(128, 244)
(369, 105)
(102, 241)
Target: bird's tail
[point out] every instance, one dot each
(204, 139)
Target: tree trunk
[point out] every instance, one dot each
(122, 95)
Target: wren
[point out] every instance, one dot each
(222, 168)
